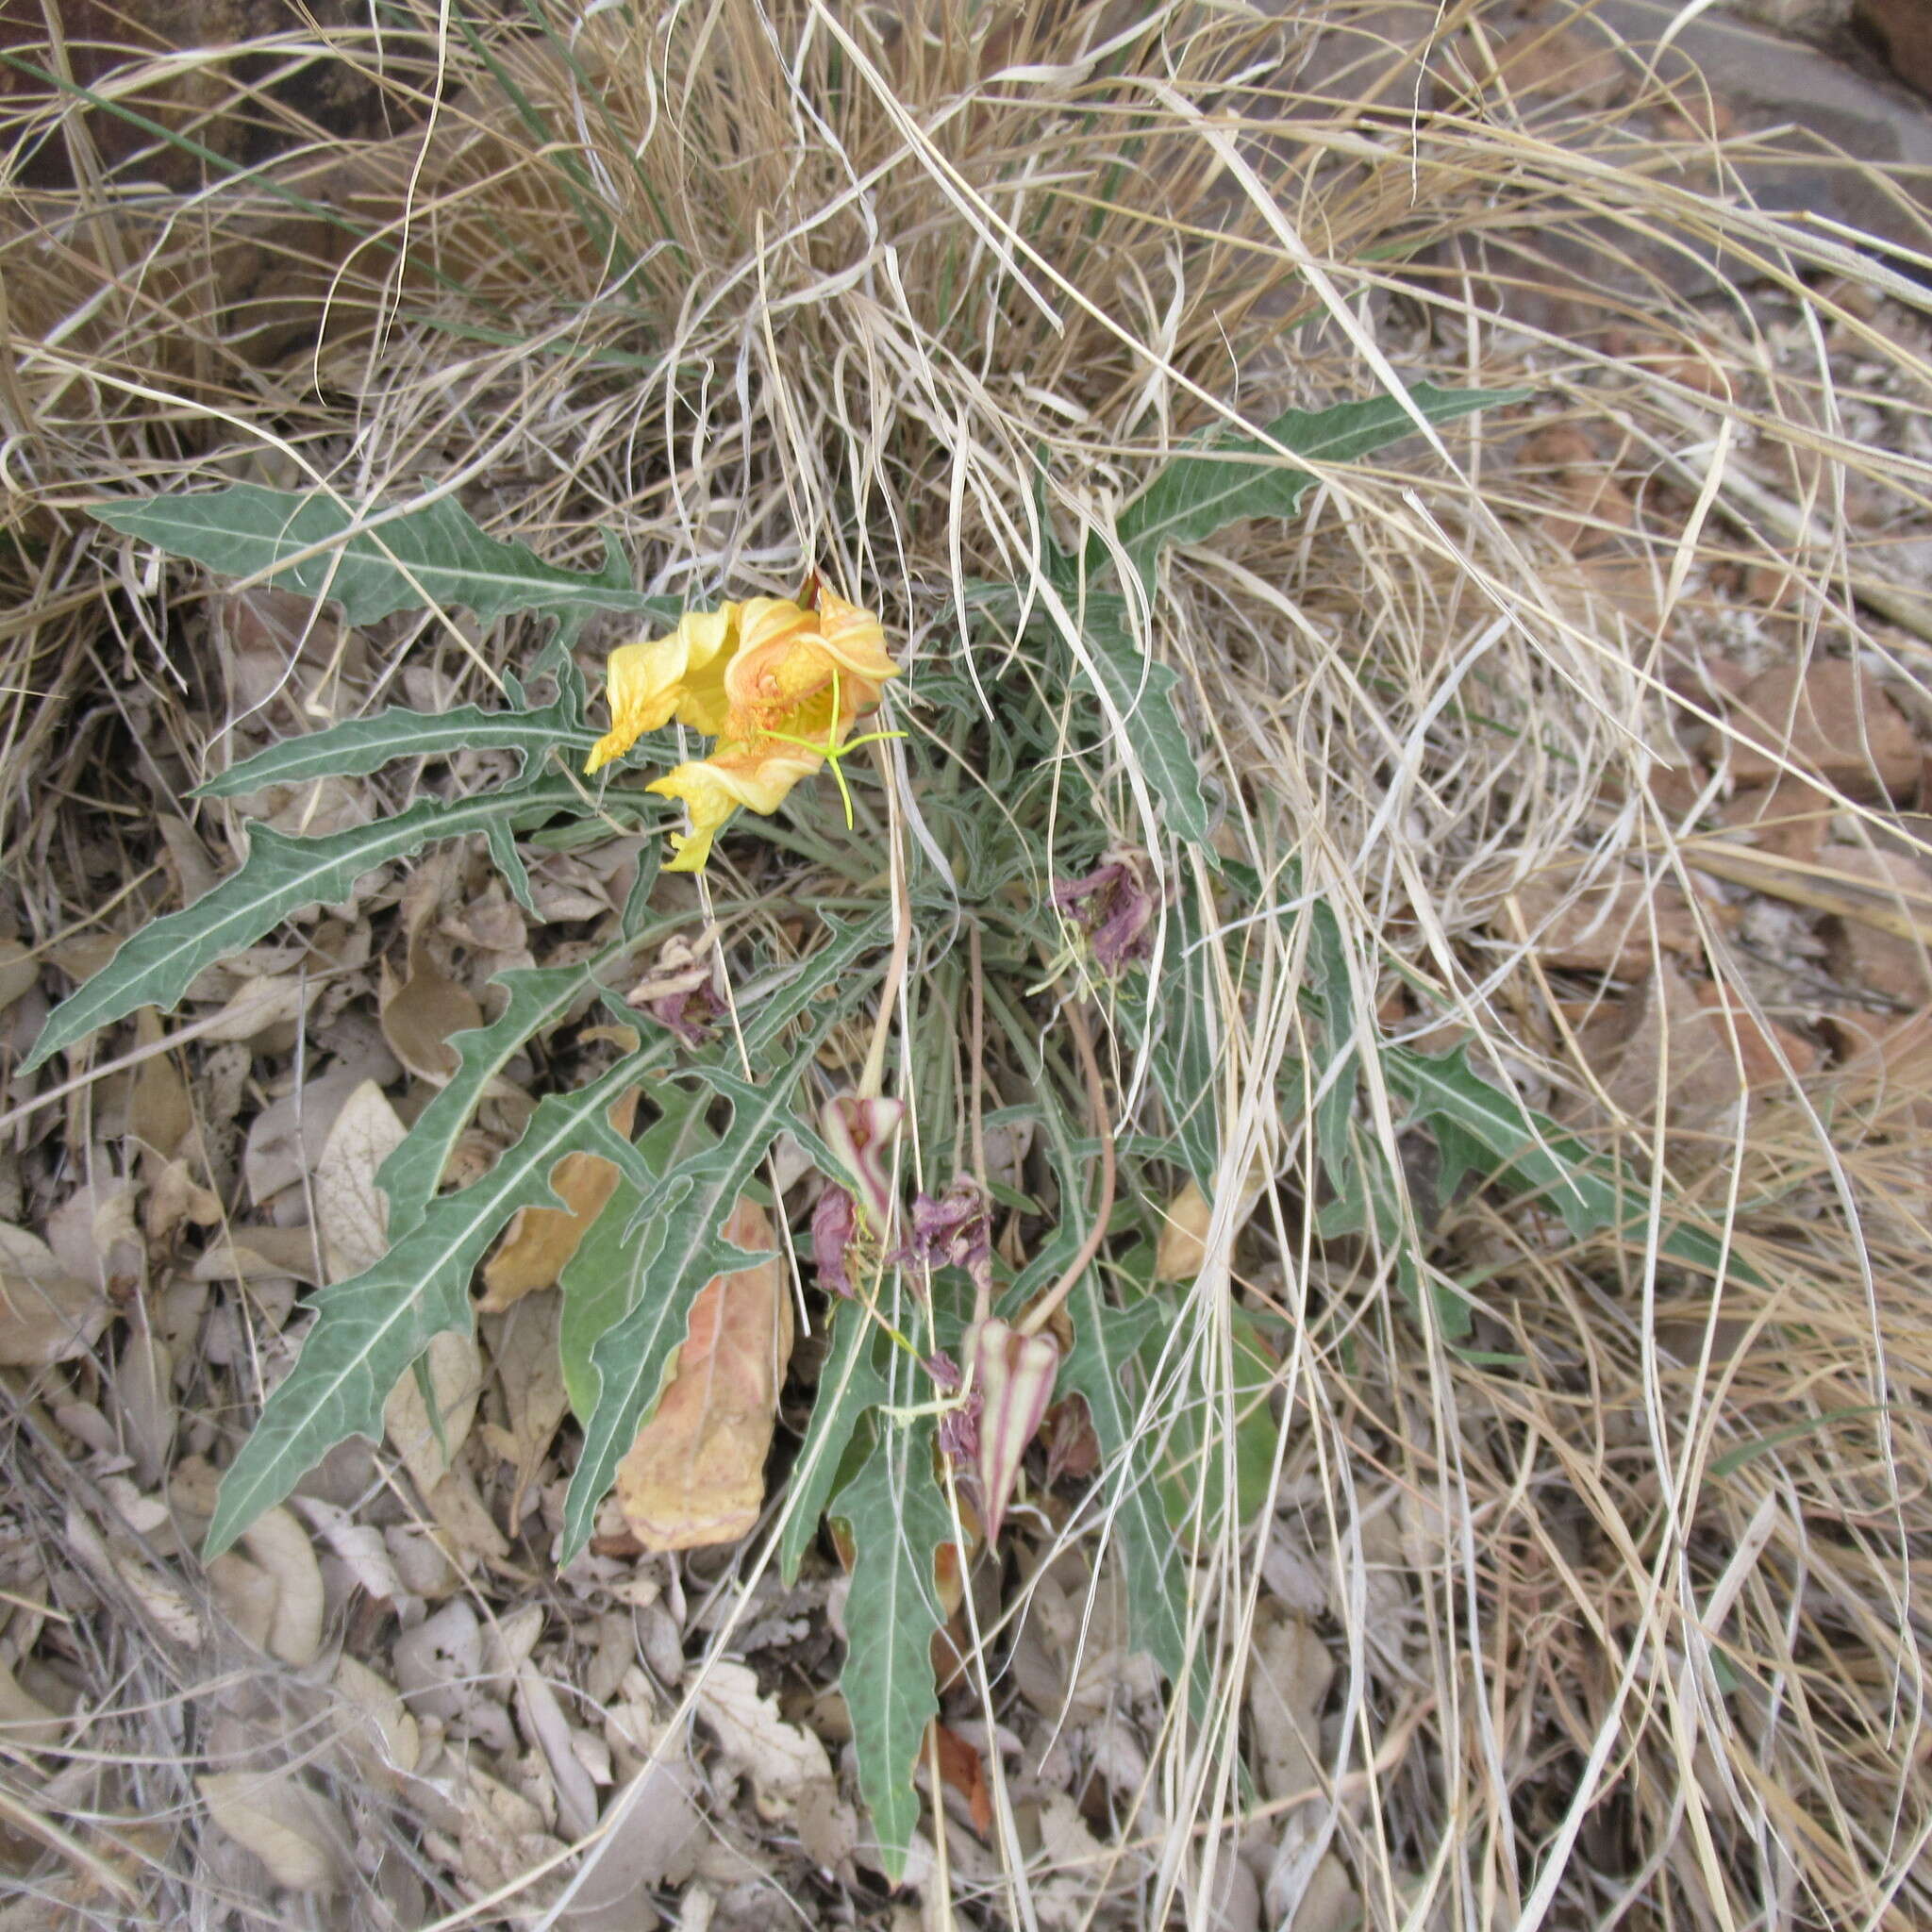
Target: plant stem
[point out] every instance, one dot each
(1043, 1310)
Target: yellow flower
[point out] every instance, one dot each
(777, 683)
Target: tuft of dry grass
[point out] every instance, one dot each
(1627, 1601)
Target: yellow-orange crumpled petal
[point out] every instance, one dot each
(657, 679)
(756, 776)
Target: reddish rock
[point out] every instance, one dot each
(1888, 963)
(1608, 928)
(1903, 29)
(1790, 818)
(1828, 717)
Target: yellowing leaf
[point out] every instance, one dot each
(696, 1473)
(542, 1239)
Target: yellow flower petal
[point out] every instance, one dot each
(656, 679)
(756, 777)
(856, 638)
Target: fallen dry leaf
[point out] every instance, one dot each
(523, 1350)
(20, 972)
(780, 1759)
(428, 1443)
(1608, 927)
(351, 1211)
(696, 1472)
(420, 1015)
(46, 1314)
(26, 1722)
(385, 1742)
(541, 1240)
(286, 1825)
(961, 1768)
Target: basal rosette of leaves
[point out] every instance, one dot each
(1029, 919)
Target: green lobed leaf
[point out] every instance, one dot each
(898, 1518)
(370, 1328)
(1168, 1016)
(604, 1278)
(536, 997)
(1235, 476)
(281, 878)
(357, 746)
(1531, 1154)
(677, 1230)
(1141, 692)
(850, 1383)
(1106, 1344)
(373, 562)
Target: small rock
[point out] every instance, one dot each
(1830, 718)
(1886, 962)
(1608, 928)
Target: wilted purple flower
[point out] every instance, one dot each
(953, 1230)
(1114, 906)
(958, 1440)
(1013, 1375)
(945, 1371)
(834, 1226)
(681, 991)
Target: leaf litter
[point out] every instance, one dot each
(183, 1188)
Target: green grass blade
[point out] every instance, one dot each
(374, 563)
(898, 1518)
(280, 877)
(370, 1328)
(357, 746)
(1236, 477)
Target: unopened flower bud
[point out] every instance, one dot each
(1013, 1375)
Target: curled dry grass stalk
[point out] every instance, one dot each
(1628, 1602)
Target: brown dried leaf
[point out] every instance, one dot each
(20, 972)
(696, 1472)
(522, 1348)
(961, 1768)
(46, 1314)
(160, 1113)
(419, 1016)
(780, 1759)
(540, 1240)
(1607, 927)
